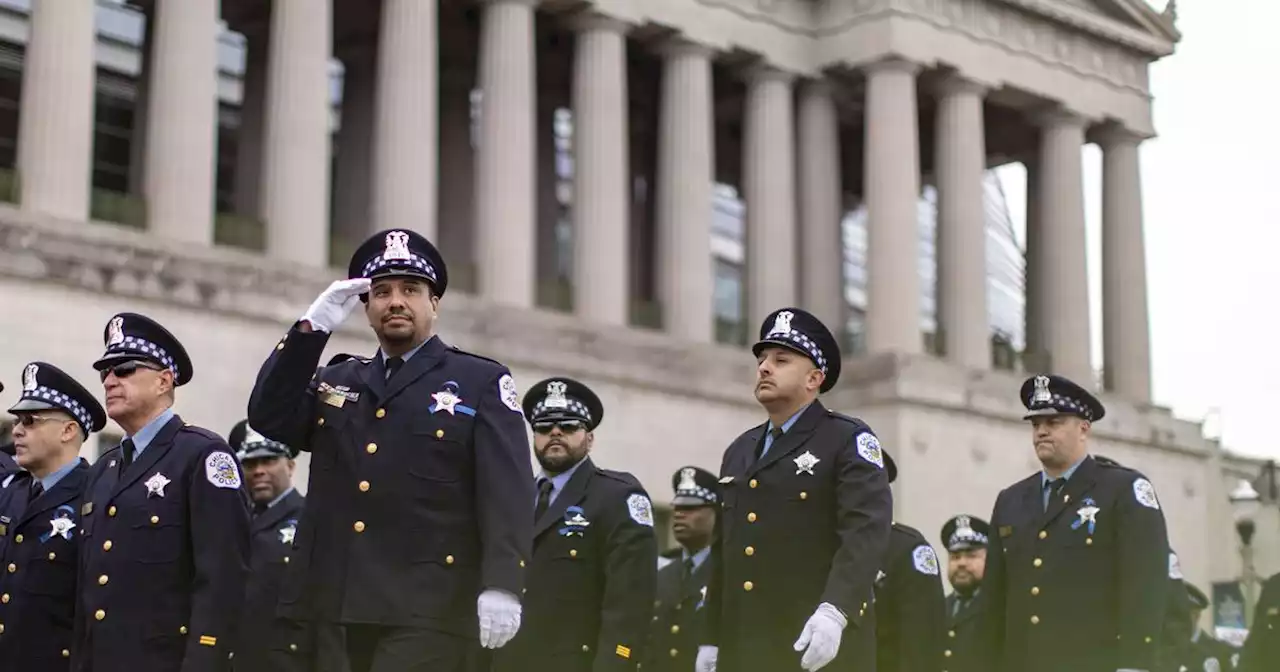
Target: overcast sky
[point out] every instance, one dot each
(1211, 188)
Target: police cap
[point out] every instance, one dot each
(45, 387)
(399, 253)
(695, 486)
(562, 398)
(250, 445)
(890, 467)
(799, 330)
(1195, 597)
(1056, 395)
(130, 336)
(964, 532)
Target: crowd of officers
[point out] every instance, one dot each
(425, 545)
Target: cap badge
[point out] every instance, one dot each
(115, 331)
(1041, 395)
(252, 436)
(782, 323)
(963, 525)
(555, 395)
(397, 246)
(686, 479)
(29, 382)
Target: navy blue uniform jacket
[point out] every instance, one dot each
(267, 643)
(910, 606)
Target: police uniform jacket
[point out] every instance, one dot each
(678, 617)
(910, 607)
(267, 643)
(809, 523)
(1207, 654)
(39, 544)
(164, 556)
(7, 465)
(962, 621)
(1262, 648)
(420, 491)
(1081, 587)
(592, 579)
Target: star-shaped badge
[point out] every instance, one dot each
(286, 534)
(805, 463)
(445, 401)
(62, 527)
(155, 485)
(1088, 514)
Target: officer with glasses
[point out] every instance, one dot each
(593, 575)
(164, 524)
(40, 519)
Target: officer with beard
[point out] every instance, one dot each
(965, 538)
(591, 580)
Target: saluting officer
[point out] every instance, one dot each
(39, 517)
(165, 521)
(682, 584)
(805, 520)
(965, 538)
(267, 643)
(1262, 648)
(1076, 571)
(417, 525)
(7, 464)
(591, 580)
(910, 610)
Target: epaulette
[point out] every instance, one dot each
(201, 431)
(343, 357)
(460, 351)
(620, 476)
(847, 418)
(1108, 462)
(908, 530)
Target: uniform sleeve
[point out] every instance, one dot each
(219, 523)
(1253, 655)
(504, 485)
(864, 516)
(630, 582)
(282, 404)
(710, 634)
(921, 610)
(989, 631)
(1143, 565)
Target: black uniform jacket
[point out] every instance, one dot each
(910, 606)
(789, 540)
(267, 643)
(1207, 654)
(39, 545)
(678, 617)
(592, 579)
(962, 632)
(1262, 649)
(1081, 587)
(418, 500)
(7, 465)
(164, 556)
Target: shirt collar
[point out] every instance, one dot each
(698, 558)
(561, 479)
(786, 426)
(1066, 475)
(148, 433)
(279, 499)
(52, 479)
(406, 355)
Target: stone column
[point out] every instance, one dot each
(1126, 339)
(821, 244)
(253, 96)
(457, 197)
(601, 155)
(181, 142)
(1064, 296)
(55, 125)
(892, 187)
(962, 238)
(686, 167)
(1034, 352)
(769, 186)
(505, 197)
(352, 179)
(405, 152)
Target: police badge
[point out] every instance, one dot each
(29, 382)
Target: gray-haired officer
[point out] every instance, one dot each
(39, 517)
(1076, 573)
(682, 584)
(965, 538)
(266, 642)
(591, 579)
(805, 521)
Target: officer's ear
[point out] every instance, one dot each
(589, 441)
(814, 380)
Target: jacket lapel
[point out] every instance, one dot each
(149, 457)
(374, 377)
(62, 492)
(1077, 486)
(425, 359)
(274, 515)
(697, 579)
(792, 439)
(573, 493)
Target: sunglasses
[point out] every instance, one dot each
(565, 426)
(126, 369)
(29, 420)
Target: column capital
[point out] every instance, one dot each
(1113, 135)
(531, 3)
(892, 64)
(1058, 115)
(956, 84)
(763, 72)
(682, 46)
(820, 86)
(595, 21)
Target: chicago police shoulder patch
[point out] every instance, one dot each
(925, 560)
(1145, 493)
(641, 509)
(220, 469)
(869, 449)
(508, 393)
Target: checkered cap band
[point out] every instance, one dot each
(140, 346)
(966, 535)
(805, 344)
(379, 263)
(249, 447)
(700, 492)
(1066, 405)
(52, 396)
(574, 407)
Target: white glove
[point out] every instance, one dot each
(706, 661)
(499, 613)
(334, 304)
(820, 639)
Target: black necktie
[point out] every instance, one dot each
(393, 365)
(776, 433)
(687, 571)
(259, 508)
(126, 452)
(36, 488)
(545, 486)
(1054, 487)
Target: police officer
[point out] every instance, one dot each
(1262, 648)
(1207, 653)
(910, 607)
(682, 584)
(39, 514)
(1075, 576)
(266, 643)
(965, 538)
(805, 521)
(591, 580)
(164, 524)
(417, 527)
(7, 464)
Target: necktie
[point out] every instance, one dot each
(36, 488)
(1052, 488)
(545, 486)
(393, 365)
(775, 434)
(259, 509)
(687, 571)
(126, 452)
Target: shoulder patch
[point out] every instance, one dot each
(641, 509)
(925, 560)
(869, 449)
(508, 394)
(221, 470)
(1145, 493)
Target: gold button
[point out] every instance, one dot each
(448, 559)
(439, 433)
(1, 628)
(111, 512)
(751, 517)
(286, 560)
(747, 586)
(585, 647)
(675, 629)
(749, 551)
(951, 634)
(320, 422)
(66, 653)
(1043, 534)
(674, 653)
(522, 563)
(1088, 541)
(573, 552)
(293, 647)
(18, 539)
(12, 568)
(4, 598)
(804, 495)
(100, 614)
(753, 483)
(155, 519)
(106, 545)
(182, 630)
(279, 346)
(364, 486)
(359, 526)
(53, 556)
(371, 448)
(380, 413)
(1146, 640)
(1035, 590)
(102, 580)
(1037, 562)
(947, 653)
(1035, 620)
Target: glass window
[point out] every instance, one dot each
(727, 292)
